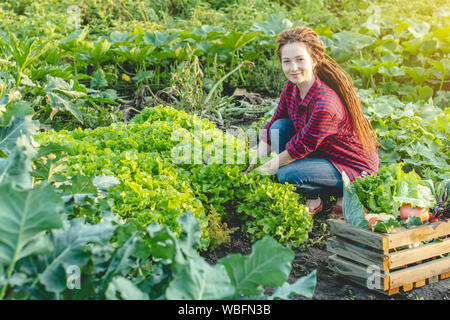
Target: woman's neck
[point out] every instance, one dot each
(304, 87)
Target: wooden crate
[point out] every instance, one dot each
(390, 262)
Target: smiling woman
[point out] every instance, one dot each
(318, 130)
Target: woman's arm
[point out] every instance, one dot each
(262, 151)
(280, 112)
(272, 166)
(264, 146)
(307, 140)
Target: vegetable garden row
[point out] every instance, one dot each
(115, 166)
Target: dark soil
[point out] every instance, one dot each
(330, 286)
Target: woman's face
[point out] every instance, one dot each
(297, 63)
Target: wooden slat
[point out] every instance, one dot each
(420, 283)
(403, 236)
(407, 256)
(408, 287)
(345, 230)
(356, 273)
(445, 275)
(393, 291)
(422, 271)
(345, 248)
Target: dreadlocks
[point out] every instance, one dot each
(335, 77)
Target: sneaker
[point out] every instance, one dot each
(316, 210)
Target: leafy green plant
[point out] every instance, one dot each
(48, 253)
(24, 53)
(392, 187)
(398, 124)
(168, 162)
(234, 275)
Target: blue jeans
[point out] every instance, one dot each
(312, 176)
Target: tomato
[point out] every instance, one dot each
(372, 222)
(434, 220)
(406, 211)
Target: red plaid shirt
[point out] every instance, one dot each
(323, 127)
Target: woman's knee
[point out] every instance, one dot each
(281, 131)
(281, 125)
(284, 174)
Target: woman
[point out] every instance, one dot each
(318, 130)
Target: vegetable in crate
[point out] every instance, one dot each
(441, 210)
(391, 188)
(391, 196)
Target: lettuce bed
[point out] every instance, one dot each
(158, 183)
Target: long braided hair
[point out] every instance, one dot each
(330, 72)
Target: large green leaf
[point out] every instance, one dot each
(19, 126)
(16, 168)
(120, 264)
(80, 184)
(167, 247)
(189, 239)
(159, 39)
(98, 79)
(16, 142)
(123, 288)
(70, 250)
(15, 109)
(195, 279)
(163, 243)
(58, 103)
(71, 89)
(23, 215)
(272, 26)
(304, 286)
(60, 95)
(268, 264)
(235, 40)
(352, 208)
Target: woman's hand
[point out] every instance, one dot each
(250, 168)
(262, 150)
(269, 168)
(253, 162)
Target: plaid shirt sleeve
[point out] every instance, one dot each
(320, 125)
(280, 113)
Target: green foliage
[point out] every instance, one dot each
(405, 55)
(352, 208)
(168, 162)
(391, 188)
(218, 231)
(268, 264)
(411, 133)
(45, 255)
